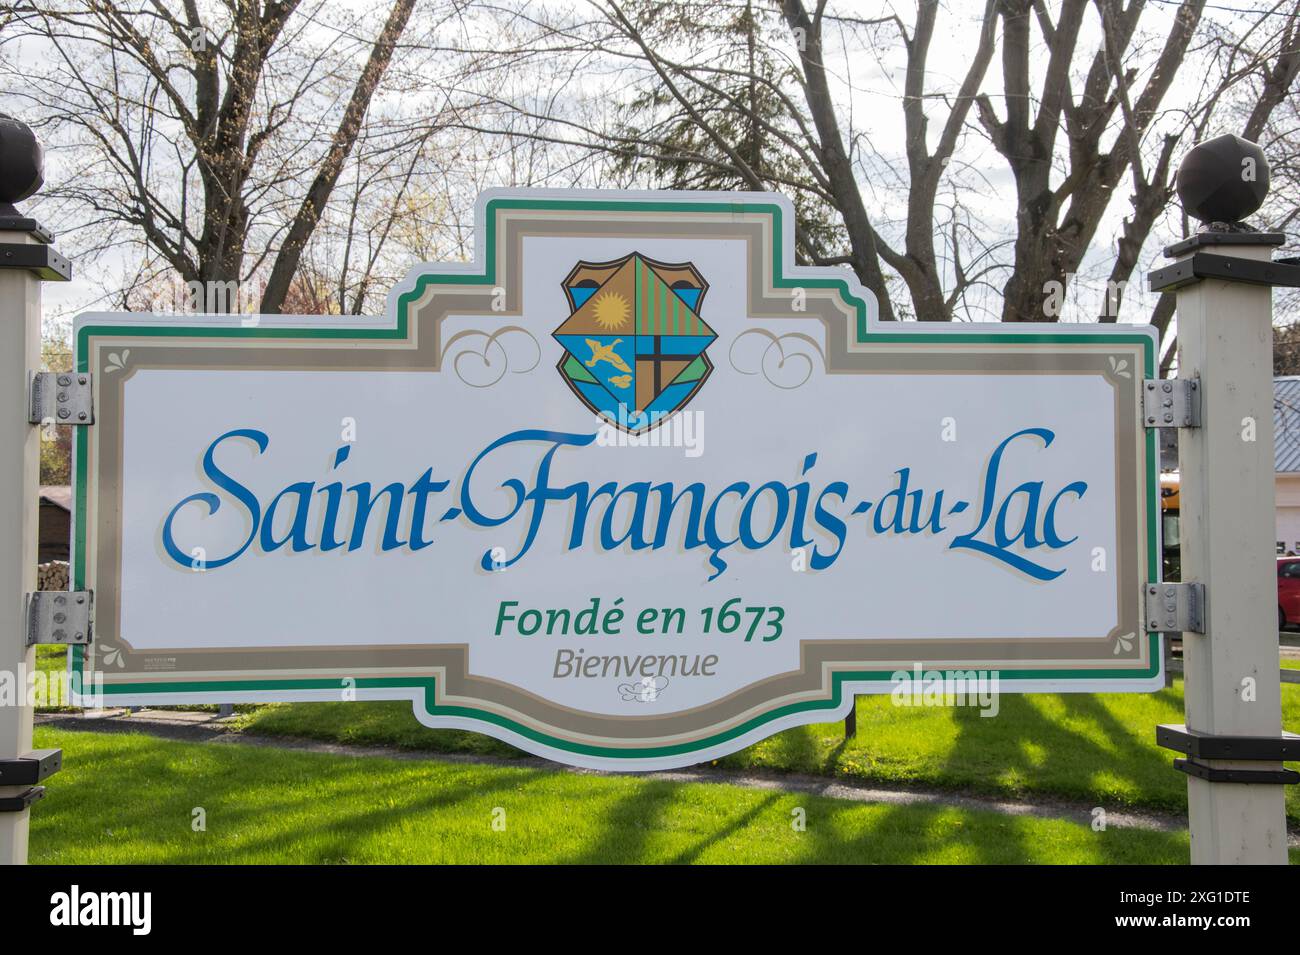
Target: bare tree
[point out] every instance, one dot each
(775, 95)
(962, 162)
(1259, 70)
(327, 176)
(213, 132)
(763, 113)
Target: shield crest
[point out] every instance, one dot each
(634, 343)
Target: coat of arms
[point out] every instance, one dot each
(634, 343)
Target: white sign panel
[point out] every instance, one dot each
(631, 490)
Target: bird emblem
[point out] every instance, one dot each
(601, 353)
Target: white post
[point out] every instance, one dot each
(1232, 688)
(20, 352)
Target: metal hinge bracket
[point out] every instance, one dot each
(1174, 608)
(62, 397)
(1171, 403)
(61, 617)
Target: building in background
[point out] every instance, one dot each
(1286, 456)
(55, 523)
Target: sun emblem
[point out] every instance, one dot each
(610, 311)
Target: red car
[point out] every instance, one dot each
(1288, 591)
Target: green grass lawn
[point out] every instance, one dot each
(131, 799)
(1099, 748)
(51, 659)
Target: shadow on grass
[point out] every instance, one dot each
(275, 806)
(723, 833)
(627, 827)
(281, 809)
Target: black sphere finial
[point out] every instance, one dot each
(22, 163)
(1223, 180)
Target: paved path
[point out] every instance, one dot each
(207, 727)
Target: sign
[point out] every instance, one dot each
(631, 490)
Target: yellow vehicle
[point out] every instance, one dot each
(1169, 529)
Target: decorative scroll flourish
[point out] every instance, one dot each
(484, 367)
(786, 361)
(646, 690)
(1124, 643)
